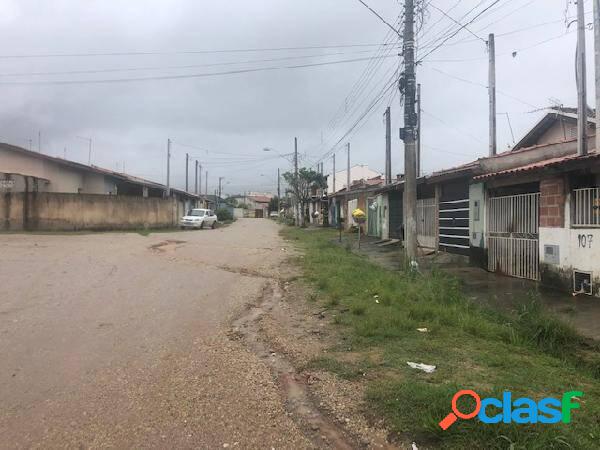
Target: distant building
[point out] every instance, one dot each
(357, 173)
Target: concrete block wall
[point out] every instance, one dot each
(552, 202)
(47, 211)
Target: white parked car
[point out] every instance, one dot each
(199, 218)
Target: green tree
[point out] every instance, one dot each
(273, 204)
(232, 201)
(301, 187)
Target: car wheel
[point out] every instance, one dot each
(202, 225)
(214, 225)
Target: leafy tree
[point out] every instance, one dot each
(273, 204)
(301, 187)
(232, 201)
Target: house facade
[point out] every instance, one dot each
(532, 212)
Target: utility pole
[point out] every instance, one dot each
(200, 180)
(278, 192)
(418, 171)
(333, 189)
(388, 146)
(492, 92)
(196, 179)
(597, 67)
(206, 182)
(39, 142)
(187, 171)
(410, 119)
(581, 82)
(297, 208)
(348, 169)
(168, 167)
(219, 196)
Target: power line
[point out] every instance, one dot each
(349, 105)
(457, 31)
(360, 119)
(475, 83)
(180, 77)
(455, 21)
(192, 66)
(380, 18)
(185, 52)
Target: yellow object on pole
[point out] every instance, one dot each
(358, 214)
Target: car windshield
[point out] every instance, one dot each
(196, 212)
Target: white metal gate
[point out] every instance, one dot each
(426, 213)
(513, 240)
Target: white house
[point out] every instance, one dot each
(357, 173)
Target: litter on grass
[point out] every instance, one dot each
(424, 367)
(423, 330)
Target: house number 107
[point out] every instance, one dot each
(585, 240)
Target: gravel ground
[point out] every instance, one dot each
(120, 340)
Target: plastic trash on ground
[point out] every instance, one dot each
(424, 367)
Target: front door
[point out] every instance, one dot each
(373, 217)
(513, 235)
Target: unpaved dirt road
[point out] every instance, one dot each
(121, 340)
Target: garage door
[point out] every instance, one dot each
(395, 199)
(454, 218)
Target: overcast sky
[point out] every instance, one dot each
(231, 118)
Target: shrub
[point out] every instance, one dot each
(224, 215)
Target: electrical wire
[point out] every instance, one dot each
(379, 17)
(178, 77)
(457, 31)
(456, 21)
(192, 66)
(347, 108)
(190, 52)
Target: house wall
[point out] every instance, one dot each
(524, 157)
(553, 194)
(62, 178)
(562, 130)
(578, 249)
(69, 212)
(478, 224)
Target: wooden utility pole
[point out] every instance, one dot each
(199, 179)
(418, 171)
(187, 171)
(597, 67)
(492, 93)
(388, 146)
(410, 124)
(168, 167)
(196, 179)
(297, 208)
(206, 182)
(581, 82)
